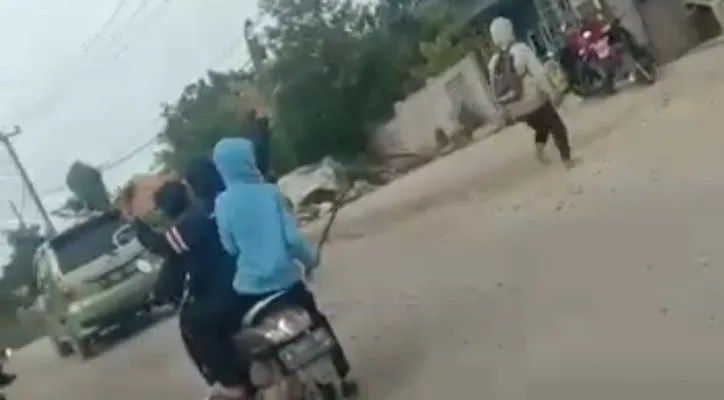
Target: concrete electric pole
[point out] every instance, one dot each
(5, 139)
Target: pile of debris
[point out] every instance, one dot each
(311, 190)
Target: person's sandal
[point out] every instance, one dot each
(349, 389)
(219, 392)
(540, 154)
(571, 163)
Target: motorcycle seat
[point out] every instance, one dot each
(251, 316)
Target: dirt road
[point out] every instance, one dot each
(603, 282)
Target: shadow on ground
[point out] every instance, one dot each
(16, 334)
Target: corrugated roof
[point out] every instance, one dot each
(461, 14)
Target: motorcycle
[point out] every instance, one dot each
(5, 378)
(291, 358)
(599, 54)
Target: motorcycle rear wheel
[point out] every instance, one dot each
(62, 348)
(587, 85)
(321, 392)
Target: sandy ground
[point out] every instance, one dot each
(518, 281)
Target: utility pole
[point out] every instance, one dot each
(5, 139)
(18, 215)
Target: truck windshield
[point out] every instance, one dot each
(87, 242)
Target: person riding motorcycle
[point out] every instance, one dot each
(255, 228)
(192, 250)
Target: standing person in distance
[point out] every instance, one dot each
(521, 86)
(258, 132)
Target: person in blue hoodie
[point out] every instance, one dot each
(255, 228)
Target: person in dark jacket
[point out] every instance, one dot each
(195, 260)
(260, 135)
(205, 181)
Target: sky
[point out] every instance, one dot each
(85, 79)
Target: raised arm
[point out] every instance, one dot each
(150, 240)
(226, 233)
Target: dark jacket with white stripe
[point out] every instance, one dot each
(191, 247)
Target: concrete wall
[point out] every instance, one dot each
(416, 118)
(630, 18)
(672, 32)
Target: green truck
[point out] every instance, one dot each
(90, 278)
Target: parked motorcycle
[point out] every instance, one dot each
(6, 378)
(599, 54)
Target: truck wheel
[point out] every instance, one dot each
(85, 347)
(63, 349)
(324, 392)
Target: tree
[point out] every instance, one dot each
(86, 183)
(207, 110)
(334, 73)
(446, 41)
(328, 71)
(19, 271)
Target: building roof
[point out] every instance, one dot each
(463, 12)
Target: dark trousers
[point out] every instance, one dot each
(192, 349)
(546, 121)
(6, 378)
(207, 326)
(299, 295)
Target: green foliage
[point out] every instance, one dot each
(86, 183)
(206, 111)
(447, 42)
(328, 70)
(441, 54)
(334, 72)
(19, 271)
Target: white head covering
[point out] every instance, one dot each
(502, 33)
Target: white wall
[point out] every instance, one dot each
(416, 118)
(630, 18)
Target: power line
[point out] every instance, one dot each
(109, 22)
(62, 84)
(105, 166)
(129, 155)
(152, 15)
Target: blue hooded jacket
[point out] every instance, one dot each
(254, 225)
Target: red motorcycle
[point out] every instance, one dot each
(599, 54)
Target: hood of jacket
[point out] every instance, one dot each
(205, 180)
(502, 33)
(234, 159)
(172, 199)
